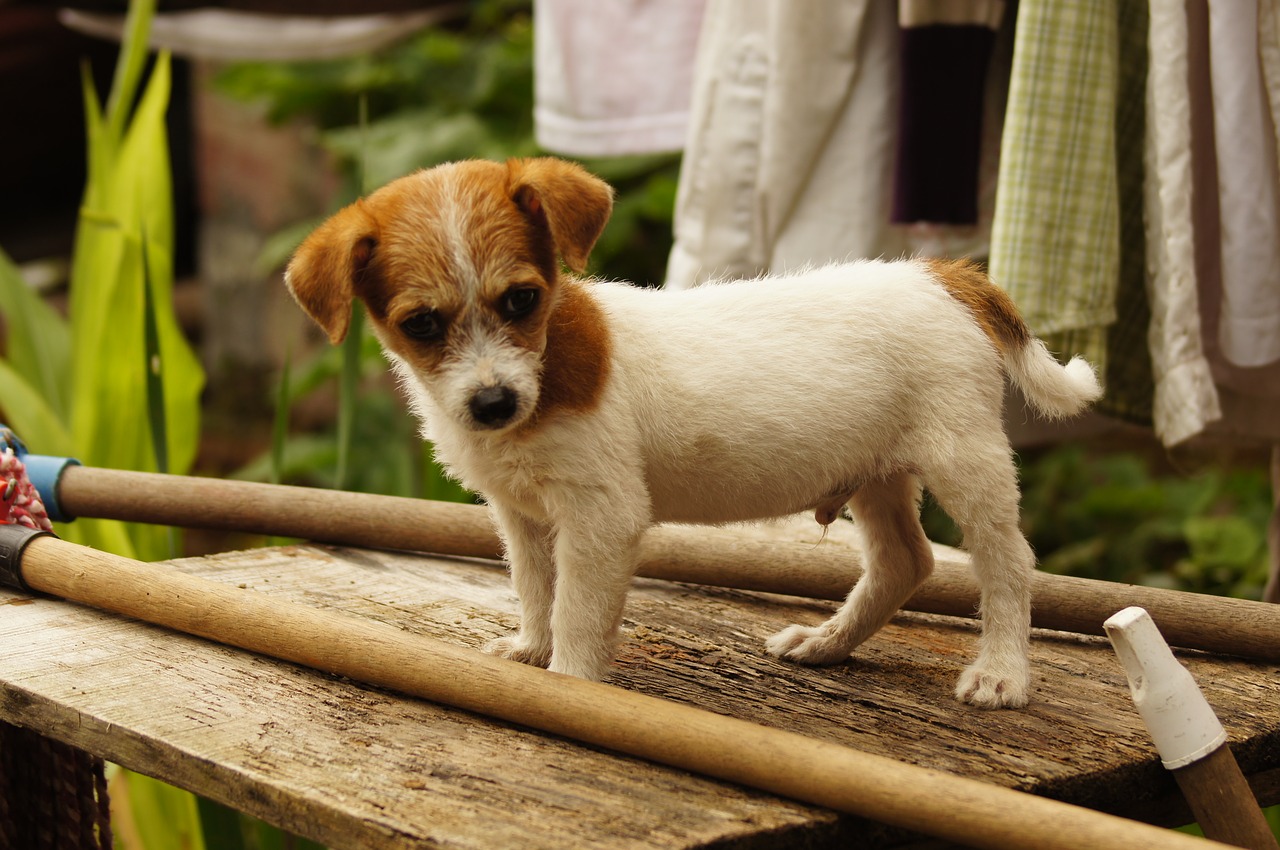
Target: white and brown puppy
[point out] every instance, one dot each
(586, 411)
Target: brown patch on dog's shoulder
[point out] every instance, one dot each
(990, 305)
(577, 354)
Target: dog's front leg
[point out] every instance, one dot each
(529, 553)
(595, 559)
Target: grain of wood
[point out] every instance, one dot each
(345, 764)
(703, 648)
(742, 558)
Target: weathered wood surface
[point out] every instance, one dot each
(352, 766)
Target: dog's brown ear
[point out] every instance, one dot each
(575, 204)
(322, 274)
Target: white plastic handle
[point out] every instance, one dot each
(1180, 720)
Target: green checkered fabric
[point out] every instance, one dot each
(1055, 242)
(1070, 159)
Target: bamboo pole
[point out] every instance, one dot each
(721, 557)
(783, 763)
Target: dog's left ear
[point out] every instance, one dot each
(574, 204)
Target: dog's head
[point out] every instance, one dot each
(459, 268)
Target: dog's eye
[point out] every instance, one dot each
(520, 301)
(425, 326)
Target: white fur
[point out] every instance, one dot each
(754, 399)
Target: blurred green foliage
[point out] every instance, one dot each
(459, 91)
(1120, 517)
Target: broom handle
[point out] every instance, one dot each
(783, 763)
(676, 553)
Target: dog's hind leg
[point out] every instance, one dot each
(980, 492)
(897, 561)
(529, 553)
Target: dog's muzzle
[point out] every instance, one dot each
(493, 407)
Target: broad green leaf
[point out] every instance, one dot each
(24, 409)
(107, 535)
(128, 73)
(109, 303)
(153, 369)
(98, 150)
(165, 817)
(38, 340)
(109, 395)
(222, 828)
(44, 433)
(144, 162)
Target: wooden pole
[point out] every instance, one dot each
(721, 557)
(1187, 734)
(783, 763)
(1222, 801)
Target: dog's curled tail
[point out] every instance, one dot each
(1053, 389)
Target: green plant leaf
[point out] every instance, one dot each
(99, 149)
(348, 394)
(23, 408)
(121, 305)
(108, 388)
(1224, 541)
(39, 342)
(221, 828)
(166, 817)
(26, 411)
(128, 73)
(108, 306)
(153, 369)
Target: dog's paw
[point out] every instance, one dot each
(807, 645)
(985, 688)
(514, 649)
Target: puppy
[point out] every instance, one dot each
(586, 411)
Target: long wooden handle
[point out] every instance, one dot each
(1222, 801)
(724, 558)
(783, 763)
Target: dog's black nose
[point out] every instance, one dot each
(493, 406)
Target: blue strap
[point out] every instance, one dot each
(44, 472)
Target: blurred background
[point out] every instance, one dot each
(267, 124)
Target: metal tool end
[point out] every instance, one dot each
(14, 539)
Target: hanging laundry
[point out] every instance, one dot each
(945, 49)
(616, 77)
(1248, 187)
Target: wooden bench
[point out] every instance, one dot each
(352, 766)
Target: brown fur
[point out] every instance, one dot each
(990, 305)
(325, 267)
(576, 362)
(395, 251)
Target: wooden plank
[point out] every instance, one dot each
(343, 764)
(355, 767)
